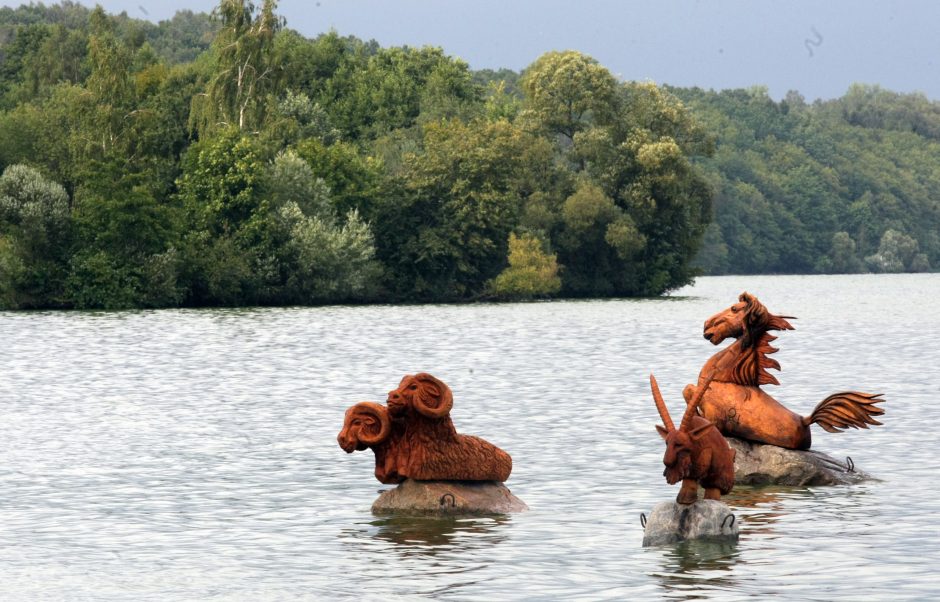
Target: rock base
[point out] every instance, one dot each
(760, 464)
(671, 522)
(448, 497)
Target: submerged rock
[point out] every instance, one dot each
(760, 464)
(448, 497)
(671, 522)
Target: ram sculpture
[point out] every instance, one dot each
(368, 425)
(413, 437)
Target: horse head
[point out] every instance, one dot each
(747, 319)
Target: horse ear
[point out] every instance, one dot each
(662, 431)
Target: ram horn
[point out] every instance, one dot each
(433, 398)
(369, 436)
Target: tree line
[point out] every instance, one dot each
(839, 186)
(229, 160)
(232, 161)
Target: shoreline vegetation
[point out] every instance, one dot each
(227, 160)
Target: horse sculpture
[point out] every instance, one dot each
(740, 408)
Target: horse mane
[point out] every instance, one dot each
(751, 365)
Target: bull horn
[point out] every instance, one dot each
(433, 399)
(371, 437)
(661, 405)
(699, 394)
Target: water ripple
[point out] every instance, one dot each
(161, 455)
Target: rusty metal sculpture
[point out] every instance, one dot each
(737, 405)
(696, 453)
(414, 437)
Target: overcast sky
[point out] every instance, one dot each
(816, 47)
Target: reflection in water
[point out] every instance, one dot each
(759, 508)
(432, 556)
(694, 569)
(762, 509)
(430, 536)
(691, 568)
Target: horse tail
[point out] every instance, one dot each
(846, 409)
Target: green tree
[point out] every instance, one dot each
(297, 118)
(246, 68)
(128, 241)
(443, 232)
(842, 258)
(353, 180)
(396, 86)
(330, 263)
(790, 176)
(897, 252)
(532, 272)
(291, 179)
(231, 250)
(109, 82)
(567, 91)
(712, 257)
(651, 203)
(221, 181)
(598, 240)
(60, 57)
(35, 237)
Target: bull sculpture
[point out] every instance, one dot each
(736, 403)
(696, 453)
(413, 437)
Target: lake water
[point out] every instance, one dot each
(191, 454)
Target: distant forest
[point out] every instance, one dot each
(227, 160)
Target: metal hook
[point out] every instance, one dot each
(725, 519)
(642, 520)
(453, 500)
(850, 464)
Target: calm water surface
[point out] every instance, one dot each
(183, 455)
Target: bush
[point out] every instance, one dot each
(332, 263)
(36, 229)
(531, 273)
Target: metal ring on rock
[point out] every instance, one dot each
(725, 519)
(850, 463)
(642, 520)
(453, 500)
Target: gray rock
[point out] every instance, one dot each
(448, 497)
(671, 522)
(760, 464)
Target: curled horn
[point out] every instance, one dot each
(433, 399)
(699, 394)
(661, 405)
(370, 436)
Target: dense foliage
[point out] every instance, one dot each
(229, 160)
(846, 185)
